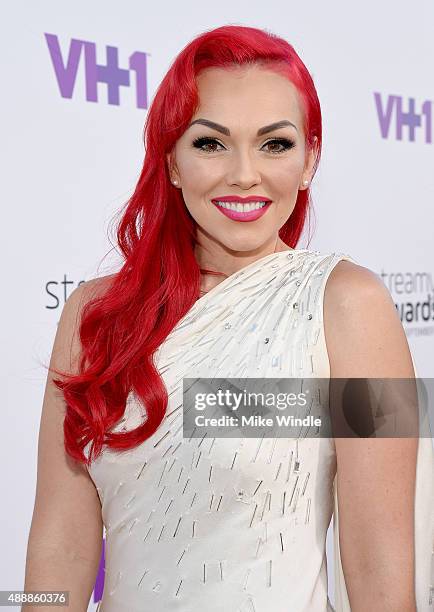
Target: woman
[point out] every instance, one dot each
(233, 140)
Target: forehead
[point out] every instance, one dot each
(245, 95)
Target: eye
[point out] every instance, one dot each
(205, 141)
(285, 143)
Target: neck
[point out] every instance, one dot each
(229, 262)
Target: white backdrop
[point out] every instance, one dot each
(71, 162)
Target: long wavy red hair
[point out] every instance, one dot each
(159, 281)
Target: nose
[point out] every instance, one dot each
(242, 171)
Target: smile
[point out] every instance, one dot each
(241, 207)
(249, 211)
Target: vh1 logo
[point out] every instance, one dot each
(391, 113)
(111, 73)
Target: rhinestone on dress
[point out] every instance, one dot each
(290, 256)
(228, 325)
(309, 316)
(298, 283)
(267, 340)
(295, 305)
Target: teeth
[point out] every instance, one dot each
(238, 207)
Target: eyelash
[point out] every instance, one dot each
(204, 140)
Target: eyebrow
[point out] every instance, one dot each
(261, 131)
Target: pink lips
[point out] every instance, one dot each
(243, 216)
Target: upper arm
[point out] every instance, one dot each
(375, 476)
(67, 511)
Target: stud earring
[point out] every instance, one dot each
(175, 182)
(305, 182)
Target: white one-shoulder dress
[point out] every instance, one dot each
(235, 525)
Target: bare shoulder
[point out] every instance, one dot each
(364, 334)
(348, 281)
(99, 284)
(88, 290)
(66, 348)
(85, 292)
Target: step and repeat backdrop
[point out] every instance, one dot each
(78, 79)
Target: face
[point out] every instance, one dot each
(227, 152)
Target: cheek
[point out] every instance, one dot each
(199, 174)
(287, 170)
(199, 178)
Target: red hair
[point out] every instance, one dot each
(159, 281)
